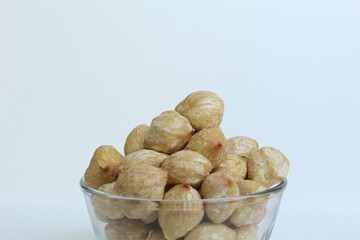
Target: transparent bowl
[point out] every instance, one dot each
(248, 217)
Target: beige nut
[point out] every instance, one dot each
(241, 145)
(169, 132)
(234, 165)
(203, 109)
(150, 217)
(143, 156)
(178, 218)
(250, 186)
(103, 164)
(248, 213)
(126, 229)
(135, 140)
(108, 207)
(142, 181)
(267, 165)
(211, 143)
(211, 231)
(219, 185)
(156, 234)
(248, 232)
(187, 167)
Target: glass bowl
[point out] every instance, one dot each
(248, 217)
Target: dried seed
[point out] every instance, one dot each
(219, 185)
(186, 167)
(241, 145)
(102, 166)
(211, 231)
(126, 229)
(204, 109)
(178, 218)
(211, 143)
(135, 140)
(267, 165)
(169, 132)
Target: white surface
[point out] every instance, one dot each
(78, 74)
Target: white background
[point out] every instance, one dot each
(78, 74)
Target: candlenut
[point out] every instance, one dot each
(267, 165)
(143, 156)
(241, 145)
(219, 185)
(234, 165)
(248, 232)
(178, 218)
(126, 229)
(186, 167)
(103, 164)
(111, 208)
(203, 109)
(211, 231)
(142, 181)
(135, 140)
(169, 132)
(211, 143)
(156, 234)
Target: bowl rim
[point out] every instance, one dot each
(273, 191)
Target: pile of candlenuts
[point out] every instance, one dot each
(184, 155)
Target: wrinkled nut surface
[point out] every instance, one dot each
(211, 231)
(267, 165)
(156, 234)
(103, 164)
(204, 109)
(142, 181)
(150, 217)
(211, 143)
(143, 156)
(169, 132)
(219, 185)
(251, 213)
(248, 232)
(186, 167)
(126, 229)
(241, 145)
(111, 208)
(135, 140)
(178, 218)
(250, 186)
(234, 165)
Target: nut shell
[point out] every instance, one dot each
(103, 164)
(241, 145)
(126, 229)
(211, 231)
(211, 143)
(186, 167)
(234, 165)
(135, 140)
(219, 185)
(143, 156)
(169, 133)
(248, 232)
(204, 109)
(267, 165)
(178, 218)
